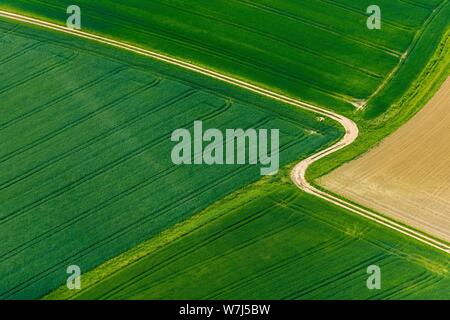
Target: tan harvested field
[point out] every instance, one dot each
(407, 177)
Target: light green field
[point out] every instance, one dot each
(318, 50)
(85, 167)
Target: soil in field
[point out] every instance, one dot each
(408, 175)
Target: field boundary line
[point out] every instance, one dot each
(298, 174)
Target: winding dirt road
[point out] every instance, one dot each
(298, 173)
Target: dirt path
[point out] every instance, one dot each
(298, 173)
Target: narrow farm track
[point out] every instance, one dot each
(299, 171)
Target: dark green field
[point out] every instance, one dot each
(85, 168)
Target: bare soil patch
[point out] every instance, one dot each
(407, 176)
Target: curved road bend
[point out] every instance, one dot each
(299, 171)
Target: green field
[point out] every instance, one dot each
(85, 167)
(296, 47)
(83, 127)
(271, 242)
